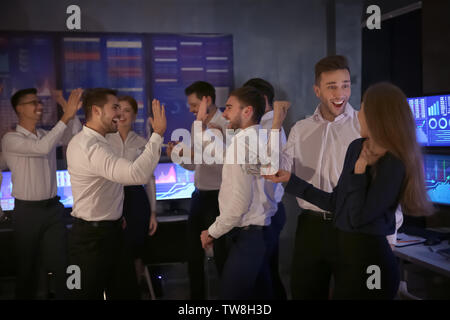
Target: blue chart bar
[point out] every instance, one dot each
(434, 109)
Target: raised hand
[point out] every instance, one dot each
(280, 176)
(59, 98)
(202, 113)
(280, 109)
(73, 105)
(158, 121)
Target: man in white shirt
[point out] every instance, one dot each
(97, 176)
(315, 152)
(246, 208)
(38, 218)
(204, 203)
(2, 167)
(279, 219)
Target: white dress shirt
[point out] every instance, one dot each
(266, 123)
(208, 176)
(244, 199)
(2, 167)
(131, 149)
(316, 150)
(97, 174)
(32, 159)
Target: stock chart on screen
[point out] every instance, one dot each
(437, 177)
(432, 116)
(173, 182)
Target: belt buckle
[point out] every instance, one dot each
(324, 214)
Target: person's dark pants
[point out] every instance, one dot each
(277, 223)
(314, 259)
(39, 237)
(203, 213)
(136, 210)
(358, 256)
(246, 274)
(98, 249)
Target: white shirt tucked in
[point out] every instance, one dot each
(131, 149)
(32, 159)
(316, 150)
(244, 199)
(97, 174)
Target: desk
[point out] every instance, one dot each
(422, 256)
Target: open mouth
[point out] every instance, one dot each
(338, 104)
(115, 121)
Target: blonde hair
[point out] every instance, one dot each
(392, 126)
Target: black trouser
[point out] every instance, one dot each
(277, 223)
(39, 236)
(97, 248)
(203, 213)
(246, 273)
(359, 255)
(314, 259)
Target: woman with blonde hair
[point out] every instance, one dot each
(381, 170)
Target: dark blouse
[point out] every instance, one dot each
(363, 203)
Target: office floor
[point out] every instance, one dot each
(174, 283)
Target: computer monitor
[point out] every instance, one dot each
(432, 116)
(173, 182)
(437, 177)
(64, 190)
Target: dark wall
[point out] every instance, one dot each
(436, 46)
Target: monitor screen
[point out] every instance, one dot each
(437, 177)
(432, 116)
(63, 183)
(173, 182)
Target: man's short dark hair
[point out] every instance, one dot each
(264, 86)
(250, 96)
(330, 63)
(201, 89)
(15, 99)
(95, 96)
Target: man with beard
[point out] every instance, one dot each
(246, 207)
(97, 177)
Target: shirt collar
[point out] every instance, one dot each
(21, 129)
(348, 112)
(242, 131)
(93, 133)
(267, 116)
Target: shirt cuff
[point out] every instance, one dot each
(213, 232)
(61, 125)
(156, 138)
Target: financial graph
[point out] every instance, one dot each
(432, 116)
(173, 182)
(437, 177)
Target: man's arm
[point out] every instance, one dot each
(237, 204)
(123, 171)
(16, 144)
